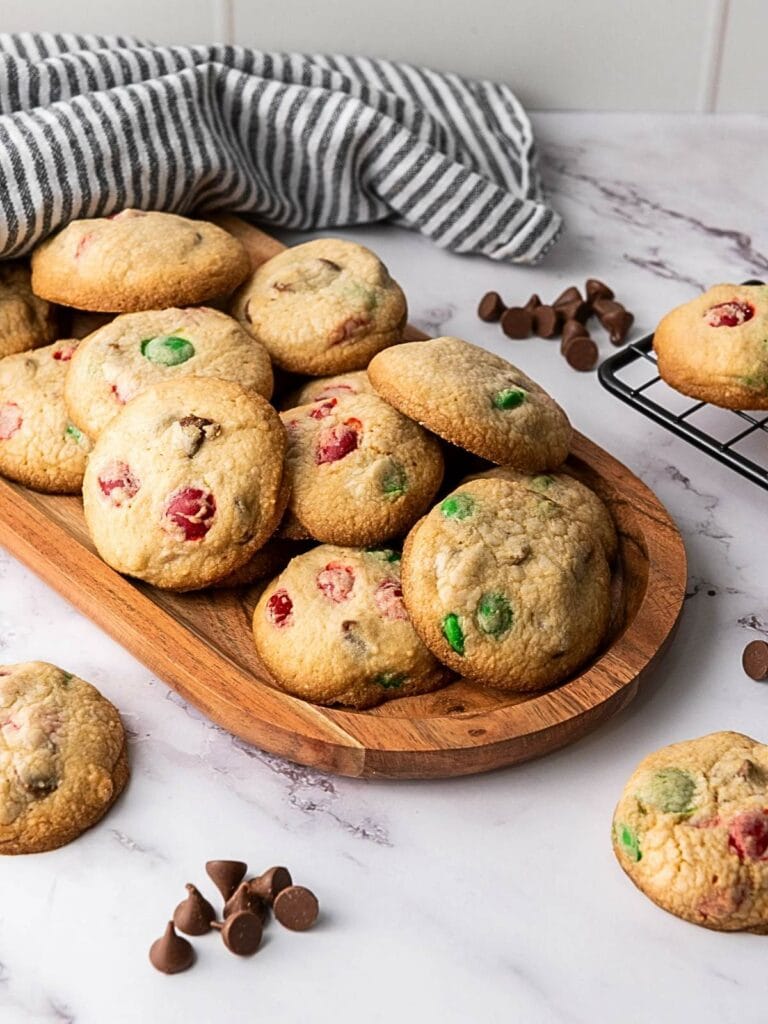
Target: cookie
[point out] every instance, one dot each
(476, 400)
(185, 484)
(360, 472)
(26, 321)
(333, 629)
(137, 260)
(509, 581)
(340, 386)
(63, 758)
(324, 307)
(40, 446)
(133, 351)
(714, 347)
(265, 563)
(691, 831)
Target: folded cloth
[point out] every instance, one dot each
(93, 124)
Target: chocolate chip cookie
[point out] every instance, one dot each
(476, 400)
(324, 307)
(40, 446)
(63, 758)
(691, 831)
(137, 260)
(186, 483)
(118, 361)
(333, 629)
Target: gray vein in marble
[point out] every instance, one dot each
(754, 622)
(433, 321)
(660, 268)
(61, 1012)
(708, 527)
(131, 844)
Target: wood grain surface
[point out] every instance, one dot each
(200, 643)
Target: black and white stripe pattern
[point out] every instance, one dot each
(92, 124)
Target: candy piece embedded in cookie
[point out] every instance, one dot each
(333, 629)
(26, 321)
(508, 581)
(136, 260)
(118, 361)
(40, 446)
(474, 399)
(691, 831)
(63, 759)
(714, 347)
(323, 388)
(186, 483)
(324, 307)
(360, 471)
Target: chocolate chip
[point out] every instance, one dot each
(618, 324)
(597, 290)
(242, 933)
(573, 329)
(171, 953)
(567, 297)
(330, 263)
(270, 883)
(491, 307)
(581, 353)
(296, 908)
(226, 875)
(604, 307)
(755, 660)
(194, 914)
(533, 303)
(245, 899)
(194, 431)
(546, 321)
(749, 771)
(517, 322)
(577, 309)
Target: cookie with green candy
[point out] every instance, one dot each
(691, 831)
(509, 586)
(360, 472)
(324, 307)
(474, 399)
(134, 351)
(40, 446)
(332, 628)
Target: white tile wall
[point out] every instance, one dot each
(670, 55)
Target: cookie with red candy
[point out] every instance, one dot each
(360, 471)
(333, 629)
(713, 348)
(323, 388)
(691, 831)
(186, 484)
(39, 444)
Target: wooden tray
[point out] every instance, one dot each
(200, 643)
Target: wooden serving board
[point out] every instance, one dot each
(200, 643)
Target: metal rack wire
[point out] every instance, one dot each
(737, 439)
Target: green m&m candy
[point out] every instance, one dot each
(671, 790)
(508, 398)
(167, 350)
(493, 615)
(542, 482)
(458, 506)
(385, 554)
(394, 481)
(453, 632)
(72, 432)
(390, 680)
(629, 842)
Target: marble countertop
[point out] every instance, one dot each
(492, 898)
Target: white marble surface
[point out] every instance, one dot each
(493, 898)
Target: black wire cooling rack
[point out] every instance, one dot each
(737, 439)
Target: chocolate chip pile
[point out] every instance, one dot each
(565, 317)
(245, 913)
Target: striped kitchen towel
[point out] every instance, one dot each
(92, 124)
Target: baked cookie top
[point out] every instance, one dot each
(136, 260)
(40, 447)
(691, 831)
(342, 385)
(715, 347)
(360, 471)
(62, 757)
(507, 583)
(26, 321)
(333, 629)
(324, 307)
(474, 399)
(185, 484)
(120, 360)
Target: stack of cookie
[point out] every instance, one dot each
(191, 478)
